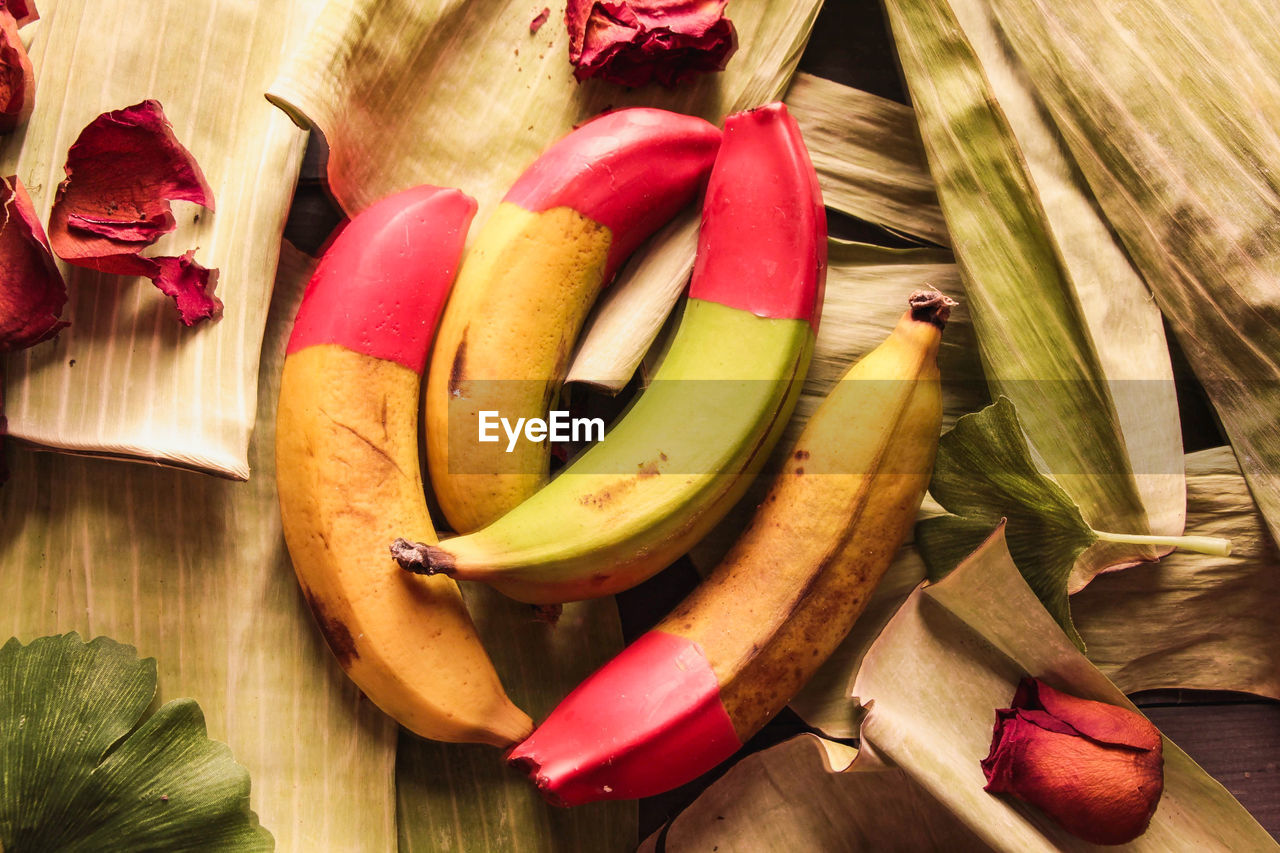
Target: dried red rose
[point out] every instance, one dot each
(122, 172)
(17, 80)
(634, 42)
(32, 291)
(1096, 769)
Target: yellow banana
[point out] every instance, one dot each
(348, 475)
(527, 284)
(690, 692)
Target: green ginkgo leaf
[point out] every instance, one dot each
(82, 770)
(985, 472)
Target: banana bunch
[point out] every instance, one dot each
(686, 695)
(689, 447)
(526, 286)
(348, 476)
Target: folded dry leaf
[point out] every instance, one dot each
(955, 652)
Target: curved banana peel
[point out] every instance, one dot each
(527, 284)
(690, 446)
(348, 473)
(686, 695)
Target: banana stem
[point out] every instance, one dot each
(421, 558)
(1214, 546)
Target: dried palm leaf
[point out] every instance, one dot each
(1065, 325)
(127, 379)
(1178, 140)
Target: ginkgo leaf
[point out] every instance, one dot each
(83, 770)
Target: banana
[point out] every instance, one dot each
(675, 463)
(348, 475)
(686, 695)
(526, 286)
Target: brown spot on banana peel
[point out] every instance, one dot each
(335, 631)
(458, 369)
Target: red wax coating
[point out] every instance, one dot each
(763, 243)
(381, 285)
(646, 722)
(629, 170)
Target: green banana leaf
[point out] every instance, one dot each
(127, 378)
(1065, 325)
(807, 793)
(192, 570)
(1178, 142)
(952, 655)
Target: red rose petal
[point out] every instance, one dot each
(122, 172)
(191, 287)
(32, 291)
(634, 42)
(17, 81)
(24, 11)
(539, 19)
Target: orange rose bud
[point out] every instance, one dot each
(1096, 769)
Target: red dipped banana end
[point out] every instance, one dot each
(382, 283)
(763, 243)
(648, 721)
(630, 170)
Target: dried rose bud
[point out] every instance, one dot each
(1094, 768)
(634, 42)
(32, 291)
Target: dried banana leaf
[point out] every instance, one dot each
(127, 378)
(813, 794)
(460, 93)
(463, 797)
(193, 571)
(1178, 139)
(952, 655)
(870, 165)
(1192, 620)
(867, 289)
(869, 158)
(1065, 325)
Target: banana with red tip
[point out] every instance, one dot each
(526, 286)
(686, 695)
(348, 475)
(671, 468)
